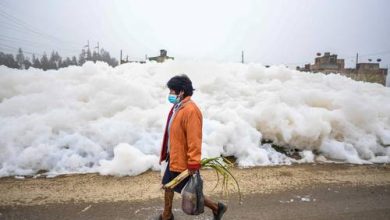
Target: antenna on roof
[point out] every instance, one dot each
(357, 58)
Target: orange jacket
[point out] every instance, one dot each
(185, 138)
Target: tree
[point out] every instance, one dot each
(2, 58)
(105, 57)
(67, 62)
(44, 62)
(113, 62)
(82, 57)
(27, 63)
(8, 60)
(36, 63)
(20, 58)
(74, 61)
(95, 56)
(89, 55)
(55, 60)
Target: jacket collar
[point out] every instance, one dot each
(186, 99)
(183, 103)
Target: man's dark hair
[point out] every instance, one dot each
(181, 83)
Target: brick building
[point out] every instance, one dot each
(328, 63)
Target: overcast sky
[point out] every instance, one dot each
(269, 31)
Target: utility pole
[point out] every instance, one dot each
(87, 46)
(357, 58)
(120, 59)
(98, 51)
(242, 56)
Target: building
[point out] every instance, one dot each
(123, 61)
(328, 63)
(163, 56)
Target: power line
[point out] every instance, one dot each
(19, 25)
(25, 42)
(14, 28)
(6, 38)
(9, 46)
(33, 44)
(22, 27)
(17, 49)
(30, 28)
(8, 49)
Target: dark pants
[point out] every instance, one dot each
(170, 175)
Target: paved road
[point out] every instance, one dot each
(323, 201)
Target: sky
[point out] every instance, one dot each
(269, 32)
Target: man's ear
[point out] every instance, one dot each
(181, 93)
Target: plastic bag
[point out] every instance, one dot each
(192, 196)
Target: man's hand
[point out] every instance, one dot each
(192, 172)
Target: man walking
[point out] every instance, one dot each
(182, 143)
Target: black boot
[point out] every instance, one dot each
(221, 210)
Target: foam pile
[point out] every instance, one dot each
(96, 118)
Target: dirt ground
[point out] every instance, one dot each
(308, 191)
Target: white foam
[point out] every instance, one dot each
(128, 160)
(96, 118)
